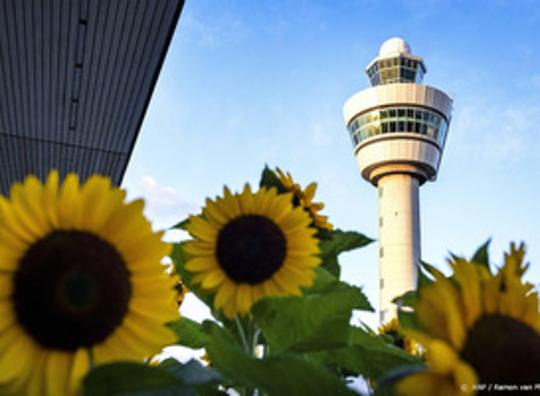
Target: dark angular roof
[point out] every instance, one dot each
(76, 77)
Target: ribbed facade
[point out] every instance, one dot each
(76, 77)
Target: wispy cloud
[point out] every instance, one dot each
(536, 80)
(164, 205)
(213, 32)
(496, 133)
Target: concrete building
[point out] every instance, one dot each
(398, 128)
(76, 78)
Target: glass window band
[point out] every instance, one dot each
(400, 119)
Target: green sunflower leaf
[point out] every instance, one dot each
(385, 383)
(367, 355)
(408, 320)
(269, 179)
(134, 379)
(481, 256)
(343, 241)
(336, 242)
(193, 373)
(274, 375)
(318, 320)
(407, 299)
(323, 280)
(190, 333)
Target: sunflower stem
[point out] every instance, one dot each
(242, 334)
(255, 341)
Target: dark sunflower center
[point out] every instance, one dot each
(72, 290)
(251, 248)
(503, 350)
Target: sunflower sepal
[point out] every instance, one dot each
(407, 320)
(423, 272)
(269, 179)
(481, 255)
(182, 225)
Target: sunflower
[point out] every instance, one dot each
(304, 198)
(81, 283)
(400, 340)
(478, 329)
(250, 245)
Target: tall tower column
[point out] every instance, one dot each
(399, 238)
(398, 127)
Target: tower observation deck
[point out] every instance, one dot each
(398, 127)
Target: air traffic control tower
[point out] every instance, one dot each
(398, 127)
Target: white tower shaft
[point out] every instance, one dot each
(398, 127)
(399, 238)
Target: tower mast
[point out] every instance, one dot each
(398, 127)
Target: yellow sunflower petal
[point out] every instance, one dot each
(201, 229)
(79, 367)
(50, 198)
(224, 294)
(57, 373)
(201, 264)
(70, 215)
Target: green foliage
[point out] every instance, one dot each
(407, 319)
(407, 299)
(287, 374)
(386, 382)
(189, 332)
(194, 374)
(367, 355)
(169, 379)
(336, 242)
(308, 340)
(316, 321)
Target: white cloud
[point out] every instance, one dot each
(164, 205)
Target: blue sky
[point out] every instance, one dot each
(252, 82)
